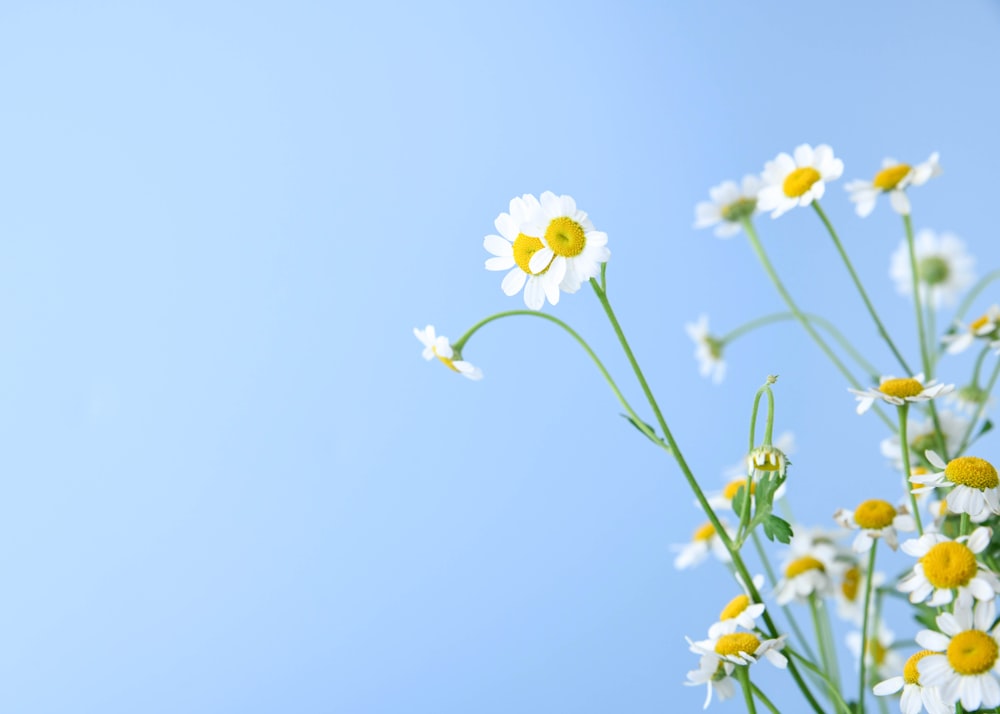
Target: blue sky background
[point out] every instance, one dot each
(232, 485)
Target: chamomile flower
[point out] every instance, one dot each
(767, 458)
(974, 480)
(729, 206)
(882, 660)
(715, 676)
(916, 697)
(876, 519)
(571, 247)
(797, 180)
(966, 662)
(707, 350)
(512, 251)
(704, 541)
(849, 594)
(944, 268)
(923, 437)
(739, 612)
(808, 569)
(970, 398)
(439, 346)
(947, 569)
(741, 649)
(894, 178)
(899, 390)
(985, 326)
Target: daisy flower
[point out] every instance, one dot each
(966, 660)
(923, 437)
(974, 480)
(916, 697)
(881, 659)
(571, 248)
(876, 519)
(809, 568)
(899, 390)
(948, 569)
(984, 326)
(894, 178)
(944, 269)
(971, 398)
(723, 654)
(797, 180)
(849, 594)
(708, 350)
(440, 347)
(730, 204)
(715, 676)
(512, 251)
(739, 612)
(704, 540)
(767, 457)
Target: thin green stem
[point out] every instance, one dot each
(743, 674)
(861, 290)
(904, 444)
(763, 699)
(773, 580)
(981, 410)
(932, 336)
(824, 650)
(978, 367)
(639, 423)
(963, 525)
(862, 684)
(915, 276)
(834, 693)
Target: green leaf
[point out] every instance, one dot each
(738, 499)
(777, 529)
(648, 430)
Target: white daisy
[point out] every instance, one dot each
(975, 483)
(849, 593)
(922, 435)
(968, 665)
(876, 519)
(571, 247)
(809, 568)
(944, 268)
(899, 390)
(882, 659)
(739, 612)
(947, 569)
(894, 179)
(708, 350)
(730, 204)
(704, 541)
(512, 251)
(715, 676)
(985, 326)
(741, 649)
(916, 697)
(440, 347)
(797, 180)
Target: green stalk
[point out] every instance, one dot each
(764, 700)
(773, 580)
(862, 684)
(743, 674)
(904, 443)
(924, 355)
(835, 694)
(981, 410)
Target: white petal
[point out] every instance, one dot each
(513, 282)
(498, 246)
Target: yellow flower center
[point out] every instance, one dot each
(736, 643)
(800, 180)
(802, 565)
(738, 210)
(737, 605)
(876, 651)
(972, 652)
(916, 471)
(524, 248)
(981, 322)
(705, 532)
(851, 584)
(874, 514)
(911, 675)
(729, 492)
(901, 387)
(447, 361)
(949, 565)
(888, 179)
(972, 471)
(565, 237)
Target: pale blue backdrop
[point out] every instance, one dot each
(230, 484)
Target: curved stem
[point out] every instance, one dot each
(860, 287)
(864, 630)
(982, 409)
(764, 700)
(979, 366)
(639, 423)
(835, 695)
(904, 445)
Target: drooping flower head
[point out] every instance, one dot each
(944, 268)
(730, 205)
(708, 350)
(439, 346)
(893, 178)
(571, 247)
(984, 327)
(797, 180)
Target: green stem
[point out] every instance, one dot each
(922, 333)
(904, 443)
(835, 694)
(857, 283)
(639, 423)
(824, 650)
(806, 325)
(862, 684)
(932, 337)
(743, 674)
(963, 526)
(773, 580)
(981, 410)
(764, 700)
(696, 489)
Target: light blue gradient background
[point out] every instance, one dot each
(230, 484)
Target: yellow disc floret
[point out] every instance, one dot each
(911, 675)
(705, 532)
(729, 492)
(852, 582)
(524, 248)
(736, 643)
(888, 179)
(972, 652)
(971, 471)
(874, 514)
(949, 565)
(448, 362)
(565, 237)
(979, 322)
(737, 605)
(800, 181)
(901, 387)
(803, 565)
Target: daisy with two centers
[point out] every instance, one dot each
(439, 346)
(876, 519)
(965, 663)
(729, 207)
(947, 569)
(916, 697)
(571, 248)
(900, 391)
(894, 178)
(512, 251)
(708, 350)
(704, 540)
(974, 480)
(944, 268)
(797, 180)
